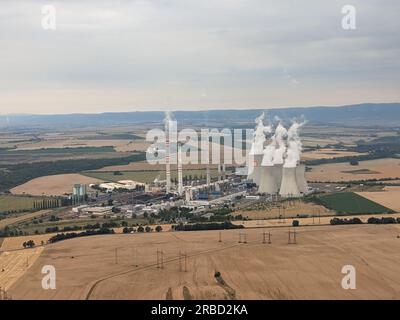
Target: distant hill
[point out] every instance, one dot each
(384, 114)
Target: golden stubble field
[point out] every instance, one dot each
(15, 260)
(124, 266)
(328, 154)
(371, 169)
(388, 197)
(290, 209)
(55, 185)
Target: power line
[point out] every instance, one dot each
(292, 237)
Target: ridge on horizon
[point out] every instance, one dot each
(198, 110)
(368, 114)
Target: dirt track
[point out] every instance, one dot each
(104, 267)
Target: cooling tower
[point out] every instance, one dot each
(277, 170)
(289, 184)
(256, 174)
(268, 183)
(301, 179)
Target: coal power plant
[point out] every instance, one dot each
(279, 172)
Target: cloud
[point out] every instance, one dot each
(150, 54)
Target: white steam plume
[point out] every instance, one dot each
(259, 135)
(280, 135)
(168, 117)
(268, 159)
(294, 145)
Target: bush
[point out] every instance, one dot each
(295, 223)
(140, 229)
(65, 236)
(383, 220)
(158, 228)
(127, 230)
(29, 244)
(207, 226)
(337, 221)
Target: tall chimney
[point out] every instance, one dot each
(167, 159)
(180, 176)
(208, 175)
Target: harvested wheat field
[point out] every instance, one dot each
(15, 243)
(309, 221)
(13, 264)
(124, 266)
(388, 197)
(55, 185)
(371, 169)
(288, 210)
(328, 154)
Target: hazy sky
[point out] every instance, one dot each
(126, 55)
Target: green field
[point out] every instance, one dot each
(351, 203)
(145, 176)
(16, 203)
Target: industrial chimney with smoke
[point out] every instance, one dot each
(167, 123)
(180, 175)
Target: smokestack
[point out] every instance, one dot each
(167, 154)
(188, 195)
(208, 175)
(301, 179)
(289, 184)
(180, 176)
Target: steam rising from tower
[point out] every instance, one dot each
(280, 167)
(257, 147)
